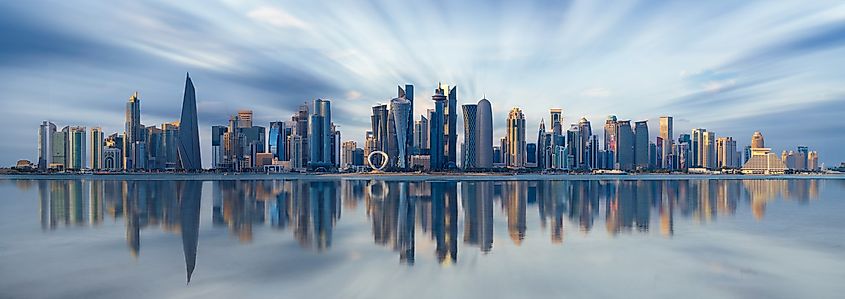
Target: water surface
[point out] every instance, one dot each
(471, 239)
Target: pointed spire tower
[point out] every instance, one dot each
(189, 140)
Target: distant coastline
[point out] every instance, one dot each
(409, 176)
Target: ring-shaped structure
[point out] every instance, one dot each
(384, 159)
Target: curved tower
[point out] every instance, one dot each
(188, 136)
(400, 109)
(470, 136)
(757, 140)
(484, 135)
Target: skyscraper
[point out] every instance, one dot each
(515, 152)
(132, 132)
(585, 131)
(275, 140)
(45, 141)
(610, 141)
(421, 134)
(726, 153)
(188, 136)
(400, 110)
(470, 136)
(450, 124)
(408, 94)
(641, 144)
(320, 135)
(556, 119)
(96, 157)
(697, 148)
(436, 131)
(709, 150)
(541, 145)
(76, 148)
(484, 135)
(624, 145)
(666, 134)
(218, 160)
(58, 149)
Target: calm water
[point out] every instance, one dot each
(366, 239)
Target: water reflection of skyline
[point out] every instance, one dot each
(403, 214)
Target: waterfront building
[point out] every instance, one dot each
(320, 136)
(348, 158)
(437, 149)
(531, 154)
(624, 145)
(45, 142)
(484, 135)
(709, 151)
(276, 140)
(573, 148)
(667, 156)
(170, 145)
(132, 133)
(450, 125)
(762, 160)
(76, 149)
(408, 94)
(188, 135)
(585, 132)
(803, 155)
(515, 139)
(470, 137)
(726, 154)
(541, 145)
(218, 149)
(96, 158)
(641, 145)
(400, 113)
(421, 134)
(813, 161)
(697, 148)
(111, 159)
(610, 141)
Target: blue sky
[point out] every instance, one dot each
(732, 67)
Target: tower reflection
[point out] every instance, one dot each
(399, 212)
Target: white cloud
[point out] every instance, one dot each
(353, 95)
(276, 17)
(717, 86)
(596, 92)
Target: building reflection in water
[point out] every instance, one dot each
(404, 214)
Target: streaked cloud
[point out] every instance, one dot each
(276, 17)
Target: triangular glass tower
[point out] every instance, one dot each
(189, 140)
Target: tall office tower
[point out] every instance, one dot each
(170, 144)
(757, 140)
(726, 153)
(484, 135)
(641, 148)
(408, 94)
(683, 151)
(666, 133)
(697, 147)
(245, 118)
(45, 141)
(656, 156)
(320, 135)
(436, 131)
(556, 120)
(610, 140)
(76, 148)
(132, 132)
(803, 155)
(624, 145)
(541, 145)
(516, 139)
(421, 134)
(336, 144)
(470, 137)
(189, 136)
(96, 158)
(813, 161)
(58, 149)
(585, 131)
(531, 154)
(400, 110)
(593, 152)
(573, 147)
(369, 143)
(218, 147)
(380, 125)
(450, 125)
(300, 121)
(348, 156)
(503, 144)
(276, 141)
(154, 152)
(709, 150)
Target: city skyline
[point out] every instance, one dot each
(716, 74)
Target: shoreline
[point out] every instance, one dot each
(409, 177)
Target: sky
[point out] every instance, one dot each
(732, 67)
